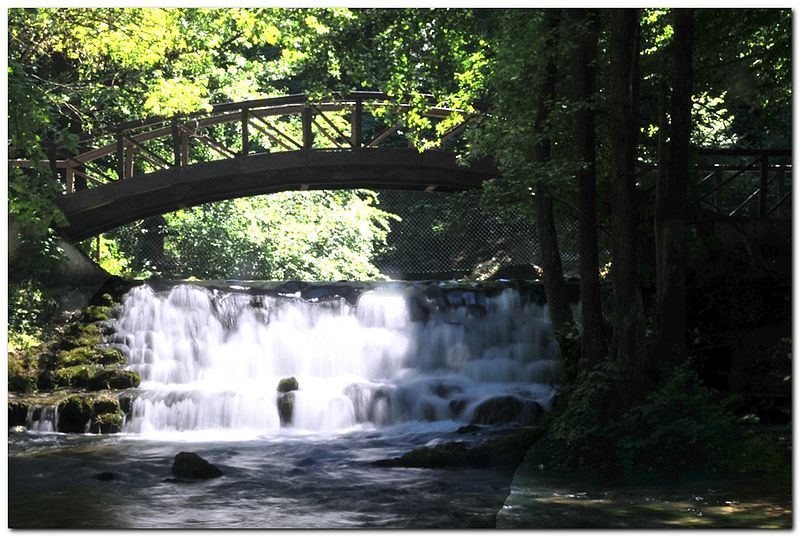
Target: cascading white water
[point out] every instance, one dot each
(212, 360)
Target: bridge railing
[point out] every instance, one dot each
(354, 122)
(745, 182)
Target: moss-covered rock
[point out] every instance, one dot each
(106, 423)
(114, 379)
(104, 404)
(74, 414)
(75, 356)
(288, 385)
(109, 356)
(77, 376)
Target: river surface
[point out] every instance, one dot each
(327, 481)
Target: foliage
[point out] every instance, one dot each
(316, 235)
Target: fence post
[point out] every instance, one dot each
(762, 192)
(779, 179)
(245, 132)
(121, 155)
(176, 141)
(355, 125)
(308, 134)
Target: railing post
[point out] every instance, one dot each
(69, 177)
(185, 149)
(121, 155)
(355, 125)
(308, 134)
(245, 132)
(779, 179)
(176, 141)
(129, 161)
(762, 193)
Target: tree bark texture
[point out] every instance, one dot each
(586, 23)
(670, 345)
(629, 349)
(553, 275)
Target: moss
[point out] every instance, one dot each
(114, 379)
(21, 377)
(106, 423)
(77, 376)
(104, 404)
(75, 356)
(288, 385)
(109, 356)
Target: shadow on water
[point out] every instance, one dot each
(540, 499)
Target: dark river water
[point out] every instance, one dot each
(327, 481)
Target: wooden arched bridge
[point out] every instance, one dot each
(157, 165)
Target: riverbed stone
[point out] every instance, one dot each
(190, 465)
(287, 385)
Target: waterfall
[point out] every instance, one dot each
(211, 359)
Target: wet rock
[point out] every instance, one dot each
(291, 287)
(17, 412)
(17, 429)
(468, 429)
(114, 379)
(288, 385)
(440, 389)
(190, 465)
(506, 409)
(126, 402)
(456, 406)
(286, 408)
(74, 414)
(105, 476)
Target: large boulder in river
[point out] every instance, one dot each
(507, 409)
(190, 465)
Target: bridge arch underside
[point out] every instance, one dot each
(102, 208)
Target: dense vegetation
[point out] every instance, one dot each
(580, 101)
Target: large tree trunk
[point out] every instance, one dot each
(554, 286)
(629, 349)
(583, 84)
(670, 213)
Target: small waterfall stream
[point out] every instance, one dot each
(211, 359)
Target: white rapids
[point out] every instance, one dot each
(211, 360)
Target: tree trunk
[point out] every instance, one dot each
(670, 343)
(554, 286)
(583, 84)
(629, 348)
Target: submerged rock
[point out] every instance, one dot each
(105, 476)
(192, 466)
(507, 409)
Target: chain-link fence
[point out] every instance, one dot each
(437, 236)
